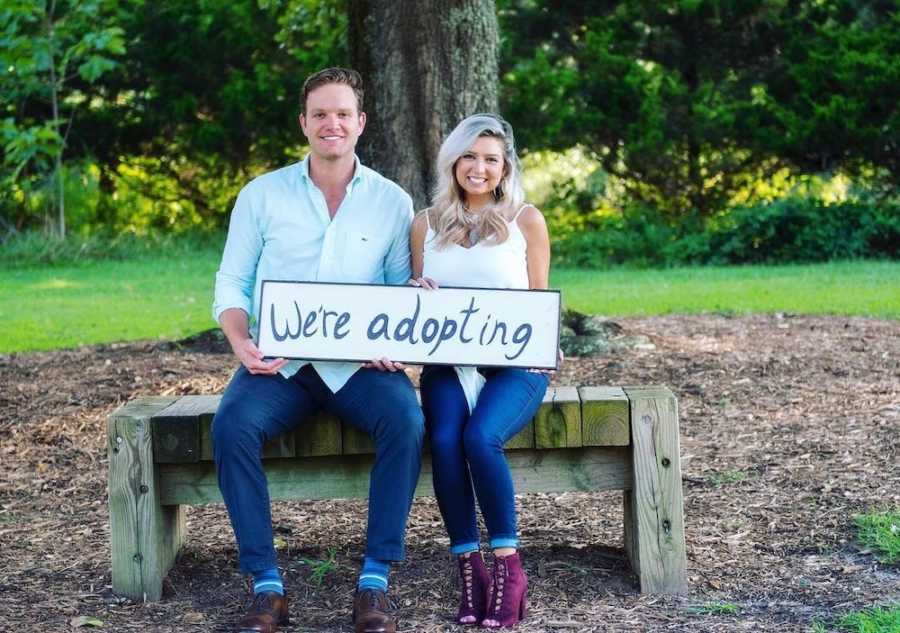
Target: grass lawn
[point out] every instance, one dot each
(170, 297)
(847, 288)
(104, 301)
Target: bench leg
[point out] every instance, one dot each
(653, 508)
(145, 536)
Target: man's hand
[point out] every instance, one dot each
(251, 358)
(384, 364)
(234, 326)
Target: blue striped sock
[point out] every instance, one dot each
(267, 580)
(374, 574)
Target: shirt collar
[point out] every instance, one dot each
(357, 172)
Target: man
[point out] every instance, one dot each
(327, 218)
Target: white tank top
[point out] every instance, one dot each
(482, 265)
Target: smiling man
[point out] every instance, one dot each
(326, 218)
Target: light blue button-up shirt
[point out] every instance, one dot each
(280, 229)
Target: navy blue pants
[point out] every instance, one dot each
(258, 408)
(467, 450)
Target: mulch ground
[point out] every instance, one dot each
(790, 425)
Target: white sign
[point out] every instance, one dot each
(452, 326)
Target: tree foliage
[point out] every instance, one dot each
(164, 108)
(51, 53)
(687, 100)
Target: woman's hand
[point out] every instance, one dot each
(423, 282)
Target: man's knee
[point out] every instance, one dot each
(233, 428)
(405, 424)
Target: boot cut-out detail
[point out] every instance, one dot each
(476, 585)
(506, 605)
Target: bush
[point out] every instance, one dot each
(793, 230)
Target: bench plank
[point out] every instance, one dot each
(176, 429)
(347, 476)
(654, 523)
(558, 421)
(604, 416)
(319, 436)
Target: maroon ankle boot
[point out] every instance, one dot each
(476, 584)
(506, 605)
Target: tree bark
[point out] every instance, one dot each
(427, 64)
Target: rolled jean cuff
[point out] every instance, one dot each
(257, 565)
(497, 543)
(463, 548)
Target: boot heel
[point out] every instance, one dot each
(523, 607)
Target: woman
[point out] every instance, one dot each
(479, 233)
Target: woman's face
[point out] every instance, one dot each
(480, 169)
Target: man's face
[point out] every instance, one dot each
(332, 122)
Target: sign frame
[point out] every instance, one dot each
(260, 325)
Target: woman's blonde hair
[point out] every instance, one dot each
(453, 223)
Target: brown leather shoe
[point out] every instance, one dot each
(268, 611)
(370, 612)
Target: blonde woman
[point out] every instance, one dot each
(480, 233)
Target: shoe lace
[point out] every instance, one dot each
(468, 581)
(499, 581)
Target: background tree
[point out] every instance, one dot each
(51, 51)
(427, 65)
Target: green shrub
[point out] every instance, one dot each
(793, 230)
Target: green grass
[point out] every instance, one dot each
(169, 296)
(880, 532)
(845, 288)
(726, 477)
(97, 302)
(875, 620)
(319, 569)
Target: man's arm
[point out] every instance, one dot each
(234, 286)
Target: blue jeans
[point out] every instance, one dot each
(467, 450)
(257, 408)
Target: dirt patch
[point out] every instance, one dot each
(790, 425)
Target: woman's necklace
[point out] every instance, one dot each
(473, 221)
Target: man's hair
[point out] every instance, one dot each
(346, 76)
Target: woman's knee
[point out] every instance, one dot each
(481, 443)
(445, 439)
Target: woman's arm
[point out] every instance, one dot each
(417, 243)
(537, 253)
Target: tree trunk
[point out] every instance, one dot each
(60, 196)
(427, 64)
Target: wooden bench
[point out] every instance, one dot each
(585, 438)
